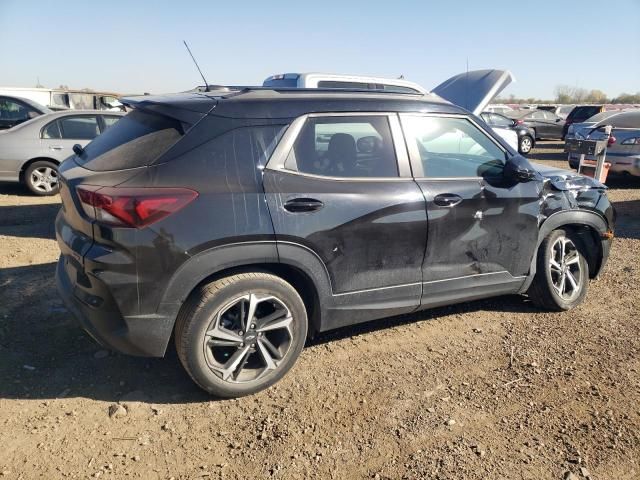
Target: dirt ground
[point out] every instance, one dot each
(494, 389)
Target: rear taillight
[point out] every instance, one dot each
(611, 140)
(132, 207)
(519, 121)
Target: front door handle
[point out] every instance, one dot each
(298, 205)
(447, 199)
(56, 147)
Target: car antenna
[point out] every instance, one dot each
(206, 84)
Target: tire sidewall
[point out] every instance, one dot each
(584, 267)
(200, 321)
(27, 178)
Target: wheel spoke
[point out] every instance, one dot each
(266, 356)
(234, 362)
(253, 303)
(574, 257)
(572, 281)
(272, 349)
(555, 265)
(218, 333)
(277, 324)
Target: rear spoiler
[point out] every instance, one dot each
(186, 108)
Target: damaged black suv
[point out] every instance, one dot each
(244, 221)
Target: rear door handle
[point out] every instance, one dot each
(56, 147)
(447, 199)
(297, 205)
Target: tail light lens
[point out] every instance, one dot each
(132, 207)
(519, 121)
(611, 140)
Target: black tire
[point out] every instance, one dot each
(208, 310)
(545, 288)
(525, 144)
(41, 178)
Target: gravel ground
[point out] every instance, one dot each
(492, 389)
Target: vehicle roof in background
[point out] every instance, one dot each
(38, 106)
(623, 119)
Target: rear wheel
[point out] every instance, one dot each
(562, 273)
(241, 334)
(41, 178)
(525, 144)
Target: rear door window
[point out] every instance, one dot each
(79, 128)
(350, 147)
(110, 121)
(137, 139)
(52, 130)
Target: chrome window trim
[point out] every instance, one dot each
(279, 156)
(414, 154)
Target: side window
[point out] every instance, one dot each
(109, 121)
(79, 128)
(451, 147)
(349, 146)
(537, 115)
(500, 121)
(12, 110)
(52, 130)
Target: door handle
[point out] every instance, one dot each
(56, 147)
(447, 199)
(298, 205)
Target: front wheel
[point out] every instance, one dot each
(241, 334)
(525, 145)
(41, 178)
(562, 272)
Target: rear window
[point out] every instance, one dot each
(136, 140)
(582, 113)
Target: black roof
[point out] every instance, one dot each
(289, 103)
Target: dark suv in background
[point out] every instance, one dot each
(245, 221)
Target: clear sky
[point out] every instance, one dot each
(136, 46)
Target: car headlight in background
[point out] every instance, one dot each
(631, 141)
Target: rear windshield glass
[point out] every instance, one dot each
(281, 83)
(135, 141)
(582, 113)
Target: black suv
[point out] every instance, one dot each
(246, 221)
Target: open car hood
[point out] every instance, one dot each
(474, 90)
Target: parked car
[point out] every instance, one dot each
(544, 124)
(498, 108)
(623, 151)
(579, 114)
(526, 136)
(31, 152)
(341, 81)
(15, 110)
(561, 110)
(65, 99)
(246, 228)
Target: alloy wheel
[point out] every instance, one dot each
(44, 179)
(525, 145)
(565, 268)
(248, 338)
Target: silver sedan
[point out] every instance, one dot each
(31, 152)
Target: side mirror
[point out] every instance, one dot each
(520, 170)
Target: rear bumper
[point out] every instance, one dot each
(140, 335)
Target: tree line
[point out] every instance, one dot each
(574, 95)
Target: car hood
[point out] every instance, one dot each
(474, 90)
(566, 179)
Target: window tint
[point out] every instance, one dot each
(339, 84)
(498, 120)
(110, 120)
(452, 147)
(135, 140)
(79, 128)
(537, 115)
(12, 110)
(345, 147)
(52, 130)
